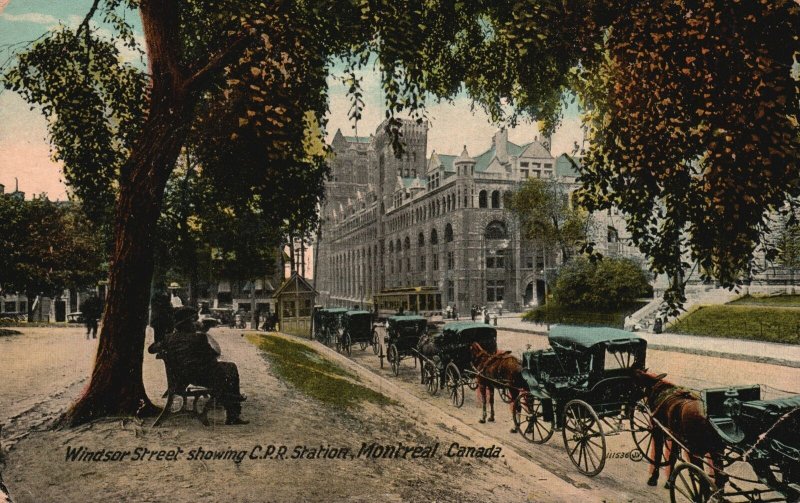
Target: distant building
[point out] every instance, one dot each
(439, 221)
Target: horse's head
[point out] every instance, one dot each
(477, 352)
(648, 380)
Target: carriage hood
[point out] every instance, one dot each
(584, 338)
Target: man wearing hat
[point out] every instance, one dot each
(198, 354)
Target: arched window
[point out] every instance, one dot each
(391, 247)
(448, 233)
(495, 199)
(613, 235)
(434, 237)
(397, 245)
(482, 199)
(421, 240)
(407, 243)
(495, 230)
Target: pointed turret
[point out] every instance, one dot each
(464, 163)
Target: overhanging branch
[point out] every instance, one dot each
(85, 23)
(201, 76)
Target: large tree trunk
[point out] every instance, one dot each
(116, 386)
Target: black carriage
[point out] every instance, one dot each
(355, 328)
(327, 322)
(447, 361)
(762, 433)
(584, 386)
(402, 336)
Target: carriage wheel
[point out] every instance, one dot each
(642, 432)
(375, 344)
(394, 359)
(529, 419)
(690, 483)
(454, 384)
(584, 438)
(431, 378)
(505, 395)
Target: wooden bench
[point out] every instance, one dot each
(178, 385)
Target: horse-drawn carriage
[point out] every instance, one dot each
(327, 322)
(762, 433)
(584, 386)
(355, 328)
(402, 337)
(447, 360)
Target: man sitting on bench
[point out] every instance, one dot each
(197, 354)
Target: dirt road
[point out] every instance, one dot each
(622, 479)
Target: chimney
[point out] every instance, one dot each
(500, 142)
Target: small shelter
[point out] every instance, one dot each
(295, 300)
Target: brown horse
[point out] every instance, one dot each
(680, 411)
(496, 370)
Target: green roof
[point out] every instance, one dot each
(483, 160)
(565, 166)
(447, 162)
(353, 313)
(357, 139)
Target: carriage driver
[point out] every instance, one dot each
(197, 355)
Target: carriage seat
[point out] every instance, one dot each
(530, 379)
(728, 430)
(761, 415)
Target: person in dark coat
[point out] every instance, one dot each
(91, 309)
(161, 317)
(197, 355)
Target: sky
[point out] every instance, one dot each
(25, 152)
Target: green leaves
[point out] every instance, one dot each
(608, 284)
(545, 215)
(693, 129)
(46, 246)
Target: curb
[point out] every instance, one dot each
(692, 351)
(556, 487)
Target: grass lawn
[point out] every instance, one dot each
(763, 323)
(555, 314)
(305, 369)
(773, 300)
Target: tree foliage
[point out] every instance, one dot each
(693, 129)
(46, 247)
(546, 215)
(603, 285)
(692, 112)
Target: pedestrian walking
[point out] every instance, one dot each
(91, 310)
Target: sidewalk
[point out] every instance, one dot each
(787, 355)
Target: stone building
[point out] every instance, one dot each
(411, 221)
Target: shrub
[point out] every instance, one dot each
(608, 284)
